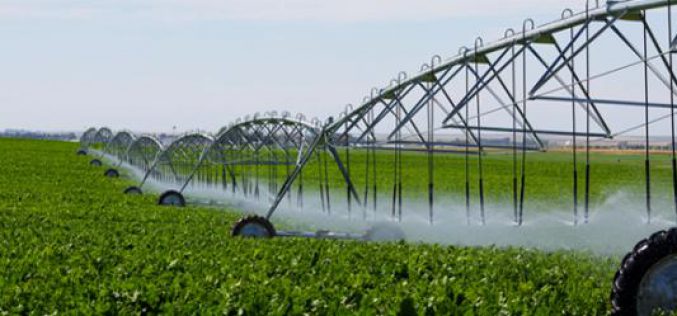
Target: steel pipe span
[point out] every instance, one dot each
(407, 116)
(612, 8)
(382, 159)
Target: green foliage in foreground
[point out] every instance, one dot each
(70, 242)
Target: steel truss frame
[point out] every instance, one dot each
(119, 145)
(242, 150)
(102, 137)
(143, 152)
(412, 111)
(175, 162)
(87, 137)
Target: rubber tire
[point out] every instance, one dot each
(81, 152)
(111, 173)
(167, 194)
(385, 232)
(96, 163)
(237, 229)
(635, 265)
(133, 190)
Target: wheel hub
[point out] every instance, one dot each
(658, 288)
(254, 230)
(172, 200)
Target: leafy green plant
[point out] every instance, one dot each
(71, 242)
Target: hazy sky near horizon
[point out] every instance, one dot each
(150, 65)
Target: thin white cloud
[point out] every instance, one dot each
(279, 10)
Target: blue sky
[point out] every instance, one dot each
(149, 65)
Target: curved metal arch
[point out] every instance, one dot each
(262, 141)
(103, 135)
(278, 120)
(266, 133)
(186, 146)
(87, 137)
(496, 56)
(143, 151)
(268, 141)
(261, 121)
(146, 141)
(612, 9)
(547, 54)
(177, 162)
(252, 134)
(120, 143)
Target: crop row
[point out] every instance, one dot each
(70, 242)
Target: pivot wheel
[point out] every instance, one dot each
(172, 198)
(112, 173)
(385, 232)
(253, 227)
(133, 190)
(96, 163)
(647, 280)
(81, 152)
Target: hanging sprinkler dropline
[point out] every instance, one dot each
(347, 153)
(647, 158)
(364, 119)
(513, 91)
(573, 120)
(397, 190)
(587, 117)
(327, 193)
(479, 43)
(467, 144)
(672, 107)
(524, 128)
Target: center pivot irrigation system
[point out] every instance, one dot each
(581, 78)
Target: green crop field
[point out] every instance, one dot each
(71, 243)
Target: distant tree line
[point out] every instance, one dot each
(64, 136)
